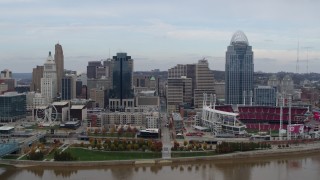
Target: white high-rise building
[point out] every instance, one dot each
(49, 80)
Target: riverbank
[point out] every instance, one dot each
(301, 149)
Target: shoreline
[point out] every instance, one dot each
(302, 149)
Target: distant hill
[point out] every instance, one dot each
(22, 75)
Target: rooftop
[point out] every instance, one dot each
(6, 128)
(239, 38)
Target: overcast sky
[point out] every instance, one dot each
(159, 34)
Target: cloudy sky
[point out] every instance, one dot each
(159, 34)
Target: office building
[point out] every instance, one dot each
(37, 74)
(204, 82)
(98, 96)
(68, 87)
(59, 61)
(122, 70)
(92, 69)
(6, 74)
(239, 70)
(287, 85)
(6, 78)
(265, 96)
(145, 83)
(202, 79)
(49, 80)
(12, 106)
(179, 92)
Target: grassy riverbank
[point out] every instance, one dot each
(92, 155)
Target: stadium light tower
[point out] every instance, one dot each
(281, 103)
(289, 118)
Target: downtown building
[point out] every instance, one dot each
(7, 83)
(179, 92)
(37, 74)
(12, 106)
(265, 96)
(239, 70)
(68, 87)
(49, 80)
(59, 61)
(202, 80)
(121, 95)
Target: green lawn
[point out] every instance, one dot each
(93, 155)
(177, 154)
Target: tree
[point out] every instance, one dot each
(129, 147)
(205, 146)
(158, 146)
(112, 131)
(120, 131)
(35, 154)
(96, 131)
(104, 131)
(64, 156)
(176, 145)
(129, 130)
(185, 143)
(108, 142)
(99, 146)
(135, 146)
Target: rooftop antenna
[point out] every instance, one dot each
(109, 53)
(297, 65)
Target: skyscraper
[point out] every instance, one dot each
(68, 87)
(239, 69)
(37, 74)
(204, 82)
(49, 80)
(122, 77)
(59, 60)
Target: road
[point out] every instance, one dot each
(166, 140)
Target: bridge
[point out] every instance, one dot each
(8, 148)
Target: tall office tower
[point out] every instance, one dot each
(59, 60)
(204, 82)
(68, 87)
(78, 89)
(239, 70)
(92, 69)
(122, 77)
(37, 74)
(179, 92)
(49, 80)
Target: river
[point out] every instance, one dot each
(306, 167)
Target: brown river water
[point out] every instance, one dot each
(304, 167)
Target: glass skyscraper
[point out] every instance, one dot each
(239, 70)
(122, 77)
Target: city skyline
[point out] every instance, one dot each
(158, 34)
